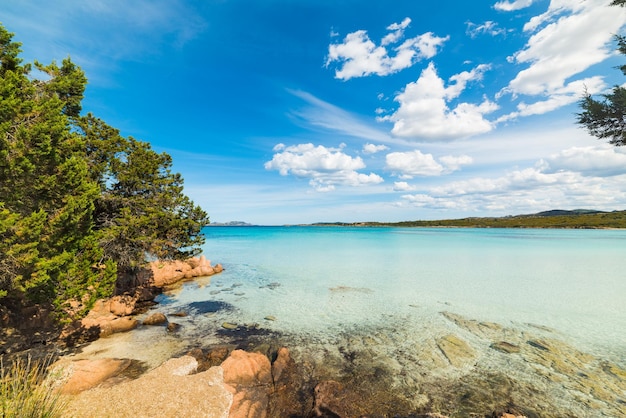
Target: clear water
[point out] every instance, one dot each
(380, 293)
(317, 281)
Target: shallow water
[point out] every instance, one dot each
(358, 299)
(321, 279)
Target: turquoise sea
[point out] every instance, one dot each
(423, 309)
(571, 280)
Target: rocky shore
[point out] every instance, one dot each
(468, 368)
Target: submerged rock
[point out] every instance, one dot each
(505, 347)
(456, 351)
(173, 327)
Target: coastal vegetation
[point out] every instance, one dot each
(80, 205)
(580, 219)
(24, 392)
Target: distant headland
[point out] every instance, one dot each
(567, 219)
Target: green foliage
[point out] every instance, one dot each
(79, 203)
(606, 118)
(24, 392)
(574, 220)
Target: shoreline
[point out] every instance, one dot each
(452, 371)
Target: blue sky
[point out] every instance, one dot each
(282, 112)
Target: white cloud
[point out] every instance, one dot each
(398, 32)
(488, 28)
(566, 43)
(359, 56)
(330, 117)
(588, 177)
(406, 165)
(424, 113)
(402, 186)
(601, 161)
(413, 163)
(509, 6)
(373, 149)
(453, 163)
(569, 94)
(324, 167)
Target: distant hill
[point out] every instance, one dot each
(560, 212)
(231, 223)
(579, 218)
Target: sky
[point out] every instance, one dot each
(300, 111)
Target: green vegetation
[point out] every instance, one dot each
(606, 118)
(80, 205)
(581, 219)
(25, 393)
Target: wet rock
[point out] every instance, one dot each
(290, 395)
(155, 319)
(217, 355)
(505, 347)
(333, 399)
(478, 328)
(173, 327)
(541, 345)
(456, 351)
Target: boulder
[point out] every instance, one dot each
(86, 374)
(171, 390)
(155, 319)
(122, 305)
(248, 377)
(169, 272)
(290, 397)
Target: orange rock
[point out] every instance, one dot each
(247, 369)
(248, 377)
(122, 305)
(86, 374)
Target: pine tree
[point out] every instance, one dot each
(606, 118)
(79, 203)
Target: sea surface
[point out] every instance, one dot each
(395, 293)
(316, 279)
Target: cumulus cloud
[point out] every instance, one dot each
(373, 149)
(564, 42)
(324, 167)
(413, 163)
(402, 186)
(602, 161)
(409, 164)
(576, 177)
(509, 6)
(424, 112)
(453, 163)
(359, 56)
(488, 28)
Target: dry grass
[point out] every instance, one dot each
(26, 393)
